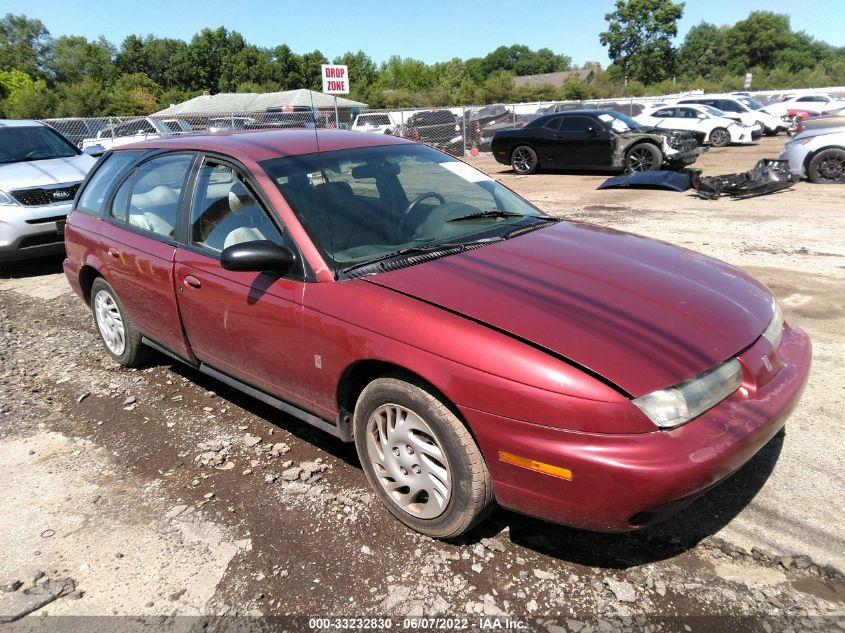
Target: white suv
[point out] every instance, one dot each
(375, 122)
(40, 172)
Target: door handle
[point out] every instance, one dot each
(113, 252)
(192, 281)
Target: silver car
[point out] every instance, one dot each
(40, 171)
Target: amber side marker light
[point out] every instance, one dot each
(540, 467)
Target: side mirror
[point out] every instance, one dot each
(592, 131)
(258, 256)
(94, 150)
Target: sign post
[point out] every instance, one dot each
(748, 77)
(335, 82)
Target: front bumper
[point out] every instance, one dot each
(625, 482)
(32, 231)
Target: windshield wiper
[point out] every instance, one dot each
(492, 213)
(411, 250)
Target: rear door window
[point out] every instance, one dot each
(156, 188)
(94, 194)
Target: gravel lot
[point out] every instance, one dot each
(160, 493)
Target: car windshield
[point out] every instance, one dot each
(619, 122)
(366, 204)
(712, 110)
(33, 142)
(751, 103)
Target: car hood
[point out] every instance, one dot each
(643, 314)
(41, 173)
(839, 133)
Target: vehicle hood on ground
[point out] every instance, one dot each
(41, 173)
(643, 314)
(673, 180)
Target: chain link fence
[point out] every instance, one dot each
(459, 130)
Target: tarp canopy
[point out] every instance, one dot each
(226, 102)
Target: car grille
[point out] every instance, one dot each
(40, 196)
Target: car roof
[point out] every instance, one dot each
(258, 145)
(19, 123)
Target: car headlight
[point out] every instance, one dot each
(5, 198)
(677, 405)
(774, 330)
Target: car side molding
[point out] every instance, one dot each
(341, 432)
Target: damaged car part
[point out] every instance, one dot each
(662, 179)
(768, 176)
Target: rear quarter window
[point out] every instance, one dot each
(94, 193)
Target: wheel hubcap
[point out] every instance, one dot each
(408, 461)
(720, 138)
(109, 322)
(641, 160)
(522, 160)
(833, 168)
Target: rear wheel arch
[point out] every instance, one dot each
(809, 157)
(87, 276)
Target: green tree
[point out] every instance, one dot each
(704, 52)
(362, 73)
(206, 54)
(312, 73)
(250, 64)
(25, 97)
(287, 69)
(24, 45)
(75, 57)
(639, 37)
(86, 97)
(756, 40)
(134, 94)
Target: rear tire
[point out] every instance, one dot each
(772, 132)
(720, 137)
(643, 157)
(420, 459)
(524, 160)
(827, 167)
(118, 334)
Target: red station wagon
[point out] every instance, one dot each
(476, 350)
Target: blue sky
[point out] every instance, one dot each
(430, 30)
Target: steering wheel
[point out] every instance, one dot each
(406, 217)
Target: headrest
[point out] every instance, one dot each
(240, 197)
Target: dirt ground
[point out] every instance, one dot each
(159, 493)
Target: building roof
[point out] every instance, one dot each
(226, 102)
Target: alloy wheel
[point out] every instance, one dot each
(110, 322)
(523, 160)
(641, 159)
(408, 461)
(832, 168)
(720, 137)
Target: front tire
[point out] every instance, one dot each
(827, 167)
(524, 160)
(420, 459)
(643, 157)
(720, 137)
(122, 340)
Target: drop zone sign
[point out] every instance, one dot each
(335, 79)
